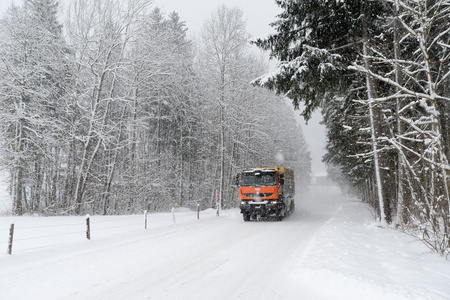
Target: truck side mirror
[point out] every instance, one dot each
(281, 178)
(236, 181)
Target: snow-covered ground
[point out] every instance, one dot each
(331, 249)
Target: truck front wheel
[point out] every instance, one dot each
(246, 216)
(292, 210)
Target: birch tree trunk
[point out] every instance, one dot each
(400, 162)
(371, 95)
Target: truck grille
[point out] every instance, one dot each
(260, 195)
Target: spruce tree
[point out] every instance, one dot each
(316, 41)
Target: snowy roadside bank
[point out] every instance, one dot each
(354, 258)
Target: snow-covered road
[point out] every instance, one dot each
(226, 258)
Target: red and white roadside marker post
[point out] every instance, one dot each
(173, 214)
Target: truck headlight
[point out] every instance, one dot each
(274, 202)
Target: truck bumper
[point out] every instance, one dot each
(257, 210)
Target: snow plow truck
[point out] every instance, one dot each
(266, 193)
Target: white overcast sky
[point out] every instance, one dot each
(259, 14)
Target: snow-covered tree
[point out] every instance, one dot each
(34, 77)
(99, 34)
(223, 52)
(420, 85)
(163, 113)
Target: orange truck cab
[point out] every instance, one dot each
(266, 193)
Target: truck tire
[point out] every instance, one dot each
(246, 216)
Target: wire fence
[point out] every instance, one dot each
(36, 233)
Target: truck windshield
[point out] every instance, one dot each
(261, 179)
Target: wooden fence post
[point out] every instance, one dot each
(11, 238)
(198, 211)
(88, 227)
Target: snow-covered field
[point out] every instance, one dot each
(331, 249)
